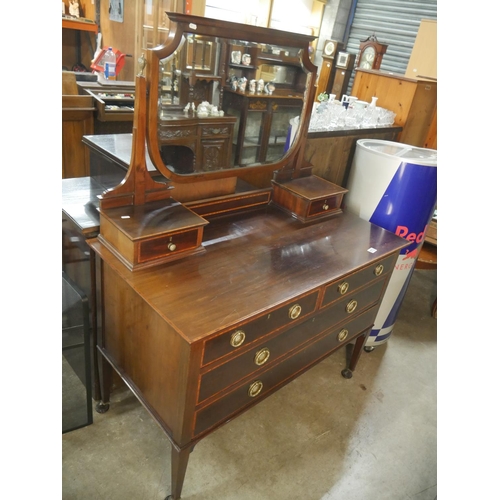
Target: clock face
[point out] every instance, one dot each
(329, 48)
(367, 58)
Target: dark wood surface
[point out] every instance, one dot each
(252, 263)
(80, 203)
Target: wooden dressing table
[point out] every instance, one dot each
(208, 304)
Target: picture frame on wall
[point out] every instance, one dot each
(116, 10)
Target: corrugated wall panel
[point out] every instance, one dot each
(393, 22)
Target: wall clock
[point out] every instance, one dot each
(371, 52)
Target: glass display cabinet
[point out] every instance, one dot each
(224, 269)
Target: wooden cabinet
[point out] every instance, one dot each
(413, 101)
(210, 299)
(262, 124)
(77, 121)
(263, 114)
(114, 105)
(203, 339)
(189, 144)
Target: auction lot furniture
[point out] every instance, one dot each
(212, 294)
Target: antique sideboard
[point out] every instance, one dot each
(211, 294)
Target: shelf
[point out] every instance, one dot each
(80, 24)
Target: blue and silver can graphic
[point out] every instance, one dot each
(394, 186)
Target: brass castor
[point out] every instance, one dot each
(368, 349)
(346, 373)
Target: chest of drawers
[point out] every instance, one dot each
(203, 339)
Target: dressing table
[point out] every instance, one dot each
(212, 294)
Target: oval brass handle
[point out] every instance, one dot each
(342, 335)
(255, 388)
(325, 206)
(343, 287)
(171, 246)
(295, 311)
(351, 306)
(237, 338)
(262, 356)
(379, 270)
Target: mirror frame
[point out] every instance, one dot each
(187, 24)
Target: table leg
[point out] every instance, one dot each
(105, 380)
(354, 358)
(180, 460)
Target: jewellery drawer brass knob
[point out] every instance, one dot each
(172, 246)
(295, 311)
(351, 306)
(262, 356)
(343, 287)
(237, 338)
(342, 335)
(255, 388)
(379, 270)
(325, 206)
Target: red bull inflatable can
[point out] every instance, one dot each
(394, 186)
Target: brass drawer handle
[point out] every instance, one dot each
(171, 246)
(325, 206)
(255, 388)
(295, 311)
(343, 287)
(262, 356)
(342, 335)
(237, 338)
(351, 306)
(379, 270)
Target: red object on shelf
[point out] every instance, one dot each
(120, 61)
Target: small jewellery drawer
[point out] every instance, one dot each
(230, 341)
(168, 245)
(268, 352)
(251, 391)
(349, 284)
(328, 205)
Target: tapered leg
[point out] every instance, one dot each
(355, 354)
(180, 460)
(105, 380)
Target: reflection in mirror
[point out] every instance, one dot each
(226, 103)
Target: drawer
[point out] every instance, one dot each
(239, 338)
(252, 391)
(267, 353)
(346, 285)
(216, 131)
(170, 244)
(326, 206)
(175, 132)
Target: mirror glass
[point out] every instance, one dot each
(228, 104)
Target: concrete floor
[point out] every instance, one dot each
(321, 437)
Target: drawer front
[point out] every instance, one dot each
(168, 245)
(251, 392)
(345, 286)
(331, 204)
(170, 132)
(267, 353)
(239, 338)
(216, 131)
